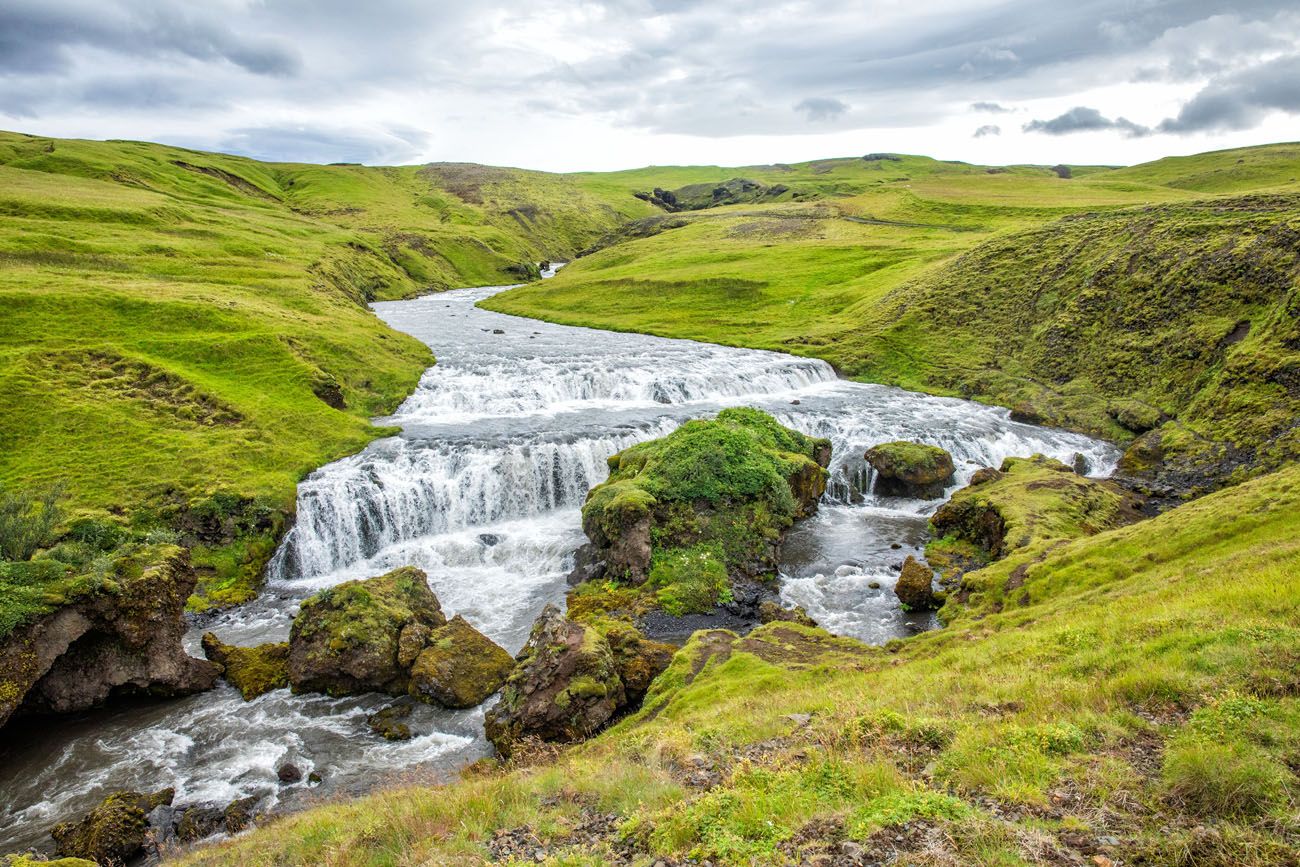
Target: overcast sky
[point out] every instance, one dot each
(623, 83)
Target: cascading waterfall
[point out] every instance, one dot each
(500, 443)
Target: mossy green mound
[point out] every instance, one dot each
(459, 666)
(253, 671)
(346, 639)
(682, 514)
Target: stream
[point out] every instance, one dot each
(500, 443)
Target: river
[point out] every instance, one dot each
(500, 443)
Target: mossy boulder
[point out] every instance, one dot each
(907, 469)
(914, 588)
(460, 666)
(638, 659)
(389, 723)
(347, 639)
(253, 671)
(739, 480)
(565, 687)
(772, 611)
(114, 832)
(28, 861)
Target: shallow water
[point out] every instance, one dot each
(500, 443)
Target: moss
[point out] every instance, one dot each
(911, 463)
(113, 832)
(689, 580)
(251, 670)
(460, 667)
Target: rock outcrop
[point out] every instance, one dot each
(388, 634)
(114, 832)
(459, 667)
(914, 587)
(565, 687)
(251, 670)
(122, 638)
(346, 639)
(905, 469)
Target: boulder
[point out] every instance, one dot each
(906, 469)
(914, 587)
(239, 815)
(114, 832)
(637, 659)
(771, 611)
(565, 687)
(387, 722)
(289, 773)
(38, 861)
(199, 821)
(251, 670)
(106, 644)
(347, 639)
(460, 666)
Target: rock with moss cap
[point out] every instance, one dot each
(459, 667)
(565, 687)
(114, 832)
(347, 639)
(733, 484)
(28, 861)
(915, 586)
(253, 671)
(906, 469)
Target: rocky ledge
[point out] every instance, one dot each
(120, 638)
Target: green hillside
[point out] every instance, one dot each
(1114, 302)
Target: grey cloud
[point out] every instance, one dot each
(321, 145)
(817, 108)
(987, 130)
(1239, 100)
(990, 108)
(1084, 119)
(44, 36)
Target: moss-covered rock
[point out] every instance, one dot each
(565, 687)
(28, 861)
(907, 469)
(347, 639)
(914, 588)
(690, 517)
(638, 659)
(121, 638)
(240, 814)
(460, 666)
(251, 670)
(772, 611)
(389, 723)
(112, 833)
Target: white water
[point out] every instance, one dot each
(500, 443)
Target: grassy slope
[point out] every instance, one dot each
(1116, 292)
(1145, 690)
(171, 318)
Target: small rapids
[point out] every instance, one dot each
(499, 445)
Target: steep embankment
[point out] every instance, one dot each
(1138, 702)
(1179, 318)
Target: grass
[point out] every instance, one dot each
(1122, 300)
(181, 326)
(1146, 692)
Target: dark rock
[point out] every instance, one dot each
(1080, 464)
(239, 815)
(498, 331)
(460, 667)
(346, 639)
(771, 611)
(251, 670)
(199, 821)
(112, 833)
(914, 588)
(289, 773)
(905, 469)
(565, 687)
(489, 539)
(387, 723)
(314, 778)
(1027, 413)
(894, 546)
(588, 565)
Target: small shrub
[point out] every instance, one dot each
(26, 521)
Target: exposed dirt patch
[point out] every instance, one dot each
(465, 181)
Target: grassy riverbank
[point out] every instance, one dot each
(1139, 704)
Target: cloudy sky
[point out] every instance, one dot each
(621, 83)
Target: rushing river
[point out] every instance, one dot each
(500, 443)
